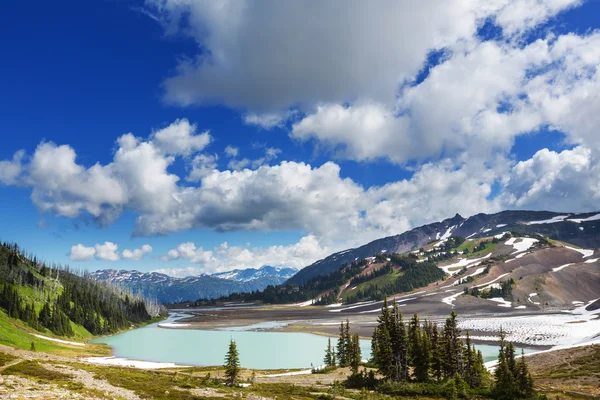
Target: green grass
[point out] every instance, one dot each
(31, 369)
(470, 245)
(380, 281)
(149, 384)
(15, 333)
(6, 359)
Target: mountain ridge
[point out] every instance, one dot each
(168, 289)
(580, 229)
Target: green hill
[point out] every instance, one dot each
(51, 300)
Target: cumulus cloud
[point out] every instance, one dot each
(202, 165)
(556, 181)
(137, 254)
(180, 138)
(10, 170)
(107, 251)
(80, 252)
(231, 151)
(333, 61)
(225, 257)
(455, 127)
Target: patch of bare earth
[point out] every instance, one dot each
(571, 371)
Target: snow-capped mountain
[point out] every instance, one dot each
(168, 289)
(580, 229)
(246, 275)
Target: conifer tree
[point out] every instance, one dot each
(436, 353)
(355, 354)
(347, 341)
(453, 347)
(524, 380)
(383, 357)
(342, 353)
(422, 362)
(504, 386)
(232, 364)
(329, 358)
(414, 338)
(399, 345)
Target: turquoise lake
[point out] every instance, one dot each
(258, 350)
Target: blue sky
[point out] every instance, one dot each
(345, 129)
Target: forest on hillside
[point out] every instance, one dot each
(54, 298)
(325, 289)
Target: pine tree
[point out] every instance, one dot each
(383, 357)
(436, 353)
(347, 341)
(329, 358)
(504, 388)
(453, 347)
(342, 353)
(355, 354)
(469, 357)
(232, 364)
(523, 378)
(422, 362)
(399, 344)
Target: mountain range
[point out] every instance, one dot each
(580, 229)
(168, 289)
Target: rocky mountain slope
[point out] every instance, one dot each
(579, 229)
(167, 289)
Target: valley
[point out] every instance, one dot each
(540, 291)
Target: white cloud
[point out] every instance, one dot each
(202, 165)
(562, 181)
(80, 252)
(137, 254)
(107, 251)
(225, 257)
(366, 55)
(63, 187)
(10, 171)
(267, 120)
(189, 252)
(180, 138)
(238, 165)
(231, 151)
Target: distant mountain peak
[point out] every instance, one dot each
(249, 274)
(168, 289)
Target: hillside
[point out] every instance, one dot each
(167, 289)
(56, 301)
(579, 229)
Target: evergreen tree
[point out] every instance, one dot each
(422, 361)
(342, 353)
(232, 364)
(504, 388)
(436, 353)
(355, 354)
(453, 348)
(329, 358)
(524, 381)
(383, 357)
(399, 344)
